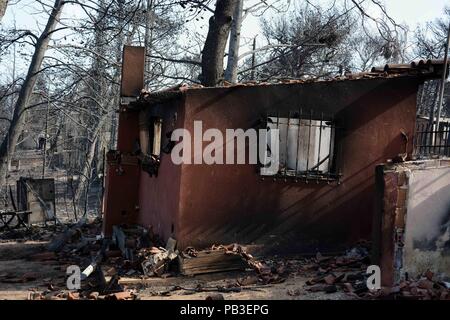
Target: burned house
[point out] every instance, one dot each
(332, 133)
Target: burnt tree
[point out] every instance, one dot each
(9, 143)
(235, 39)
(216, 40)
(3, 5)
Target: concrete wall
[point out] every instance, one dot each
(427, 235)
(412, 223)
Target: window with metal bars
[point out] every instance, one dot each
(307, 148)
(430, 141)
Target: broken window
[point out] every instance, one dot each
(144, 133)
(157, 129)
(306, 144)
(150, 137)
(150, 129)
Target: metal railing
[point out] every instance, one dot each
(431, 142)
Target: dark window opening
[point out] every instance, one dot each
(156, 127)
(150, 141)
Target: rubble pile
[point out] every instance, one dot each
(269, 271)
(348, 273)
(345, 272)
(157, 261)
(135, 253)
(82, 245)
(215, 259)
(425, 287)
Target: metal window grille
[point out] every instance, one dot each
(432, 142)
(307, 145)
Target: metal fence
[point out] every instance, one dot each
(432, 142)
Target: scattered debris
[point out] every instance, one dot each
(93, 295)
(73, 296)
(135, 257)
(345, 272)
(249, 280)
(208, 261)
(124, 295)
(130, 239)
(425, 287)
(157, 263)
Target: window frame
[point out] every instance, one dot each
(332, 174)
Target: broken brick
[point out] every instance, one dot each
(124, 295)
(93, 295)
(425, 284)
(73, 296)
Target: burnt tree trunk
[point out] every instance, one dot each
(86, 174)
(3, 5)
(235, 41)
(216, 40)
(9, 143)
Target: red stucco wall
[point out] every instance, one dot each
(222, 204)
(204, 204)
(159, 196)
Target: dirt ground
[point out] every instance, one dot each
(294, 285)
(32, 269)
(20, 275)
